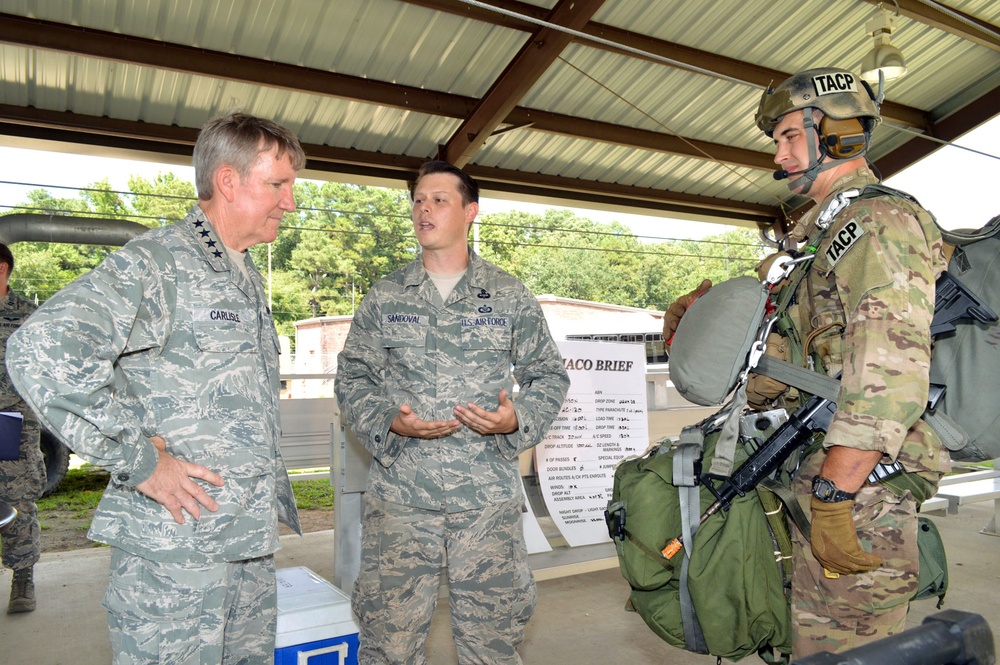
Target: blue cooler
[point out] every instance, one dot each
(315, 626)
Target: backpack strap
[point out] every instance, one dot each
(802, 378)
(686, 479)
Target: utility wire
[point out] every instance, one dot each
(397, 237)
(363, 213)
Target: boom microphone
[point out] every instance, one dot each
(780, 174)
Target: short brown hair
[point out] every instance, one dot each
(7, 257)
(467, 186)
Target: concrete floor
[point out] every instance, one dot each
(579, 620)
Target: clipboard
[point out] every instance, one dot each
(10, 435)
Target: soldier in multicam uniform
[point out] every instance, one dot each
(864, 309)
(425, 382)
(21, 478)
(161, 365)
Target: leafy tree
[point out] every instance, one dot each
(349, 237)
(289, 300)
(160, 201)
(342, 238)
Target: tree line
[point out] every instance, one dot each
(342, 238)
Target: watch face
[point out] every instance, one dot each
(825, 490)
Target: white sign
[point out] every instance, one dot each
(602, 421)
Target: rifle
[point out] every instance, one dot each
(953, 302)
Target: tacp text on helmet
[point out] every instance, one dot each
(848, 112)
(848, 105)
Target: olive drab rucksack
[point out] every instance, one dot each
(726, 595)
(967, 362)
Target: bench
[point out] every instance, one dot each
(963, 491)
(956, 478)
(935, 504)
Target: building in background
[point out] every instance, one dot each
(319, 340)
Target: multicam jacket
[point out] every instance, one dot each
(406, 346)
(166, 338)
(865, 308)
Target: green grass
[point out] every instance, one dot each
(82, 489)
(313, 494)
(79, 492)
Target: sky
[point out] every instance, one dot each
(955, 184)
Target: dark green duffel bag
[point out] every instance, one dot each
(737, 574)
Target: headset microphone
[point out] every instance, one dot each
(780, 174)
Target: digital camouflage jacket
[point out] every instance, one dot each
(406, 346)
(166, 338)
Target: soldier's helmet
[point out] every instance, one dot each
(838, 93)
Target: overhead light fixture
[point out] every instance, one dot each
(884, 57)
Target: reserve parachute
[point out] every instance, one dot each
(967, 362)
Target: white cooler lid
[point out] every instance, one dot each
(310, 609)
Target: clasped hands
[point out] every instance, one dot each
(476, 418)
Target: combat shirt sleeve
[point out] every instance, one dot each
(63, 362)
(541, 378)
(885, 281)
(360, 384)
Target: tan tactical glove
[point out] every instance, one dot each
(673, 315)
(763, 390)
(835, 540)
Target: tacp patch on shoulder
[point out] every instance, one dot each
(843, 240)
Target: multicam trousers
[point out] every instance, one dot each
(191, 614)
(846, 612)
(491, 588)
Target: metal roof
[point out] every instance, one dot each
(658, 114)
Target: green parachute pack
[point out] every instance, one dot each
(703, 601)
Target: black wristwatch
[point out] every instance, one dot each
(824, 490)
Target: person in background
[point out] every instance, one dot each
(426, 382)
(22, 476)
(161, 365)
(862, 310)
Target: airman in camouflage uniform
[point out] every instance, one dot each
(21, 479)
(425, 380)
(863, 309)
(878, 300)
(161, 365)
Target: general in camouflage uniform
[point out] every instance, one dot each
(22, 478)
(862, 309)
(424, 381)
(161, 365)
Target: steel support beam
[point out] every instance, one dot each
(521, 73)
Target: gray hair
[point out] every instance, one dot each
(237, 139)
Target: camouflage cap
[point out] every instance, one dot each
(838, 93)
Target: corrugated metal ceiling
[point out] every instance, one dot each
(374, 87)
